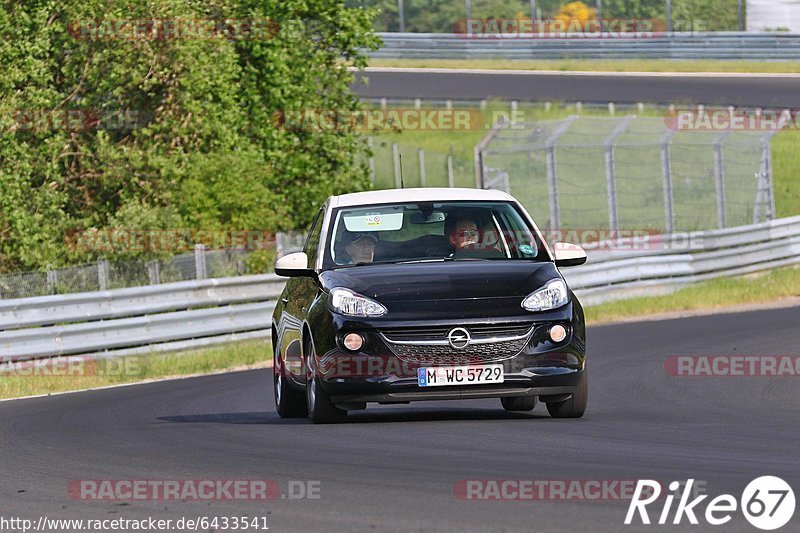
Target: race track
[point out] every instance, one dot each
(770, 91)
(394, 468)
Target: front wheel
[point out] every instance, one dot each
(289, 403)
(575, 406)
(320, 407)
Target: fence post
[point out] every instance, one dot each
(666, 172)
(765, 192)
(719, 178)
(611, 178)
(371, 160)
(52, 281)
(552, 175)
(480, 147)
(102, 274)
(400, 11)
(200, 265)
(422, 177)
(154, 272)
(770, 183)
(450, 177)
(396, 159)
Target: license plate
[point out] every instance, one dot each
(439, 376)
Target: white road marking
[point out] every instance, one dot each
(416, 70)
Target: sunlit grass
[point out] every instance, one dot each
(80, 374)
(771, 286)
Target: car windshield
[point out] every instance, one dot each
(431, 231)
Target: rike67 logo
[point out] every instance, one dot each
(767, 503)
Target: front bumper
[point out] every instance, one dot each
(555, 381)
(379, 373)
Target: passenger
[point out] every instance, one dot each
(360, 247)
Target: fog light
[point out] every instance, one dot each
(353, 341)
(558, 333)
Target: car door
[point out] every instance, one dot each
(300, 292)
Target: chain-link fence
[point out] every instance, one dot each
(104, 274)
(631, 172)
(399, 165)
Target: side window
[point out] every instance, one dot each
(312, 242)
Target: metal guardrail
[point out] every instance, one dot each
(677, 260)
(135, 301)
(203, 312)
(717, 45)
(96, 322)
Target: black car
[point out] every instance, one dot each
(427, 294)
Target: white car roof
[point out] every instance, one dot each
(424, 194)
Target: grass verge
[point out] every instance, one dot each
(85, 373)
(768, 287)
(595, 65)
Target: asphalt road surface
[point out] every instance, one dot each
(768, 91)
(394, 467)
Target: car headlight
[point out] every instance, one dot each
(554, 294)
(351, 303)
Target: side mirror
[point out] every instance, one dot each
(294, 265)
(568, 255)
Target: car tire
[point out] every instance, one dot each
(518, 403)
(289, 403)
(319, 405)
(575, 406)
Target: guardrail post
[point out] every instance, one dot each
(450, 177)
(422, 177)
(552, 175)
(154, 272)
(102, 274)
(719, 178)
(396, 159)
(611, 179)
(200, 265)
(666, 173)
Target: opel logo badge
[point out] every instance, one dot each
(458, 338)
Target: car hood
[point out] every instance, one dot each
(438, 281)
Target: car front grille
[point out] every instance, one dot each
(429, 345)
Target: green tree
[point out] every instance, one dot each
(186, 136)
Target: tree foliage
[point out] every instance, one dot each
(172, 132)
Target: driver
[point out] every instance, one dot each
(462, 232)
